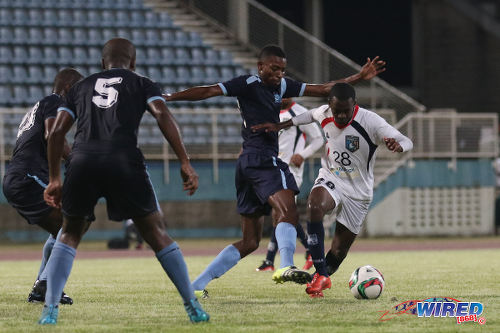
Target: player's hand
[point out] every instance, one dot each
(189, 178)
(53, 194)
(372, 68)
(266, 127)
(393, 145)
(297, 160)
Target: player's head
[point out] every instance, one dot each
(118, 53)
(271, 65)
(286, 103)
(65, 79)
(342, 100)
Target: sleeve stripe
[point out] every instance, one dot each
(283, 86)
(224, 90)
(71, 113)
(154, 98)
(302, 89)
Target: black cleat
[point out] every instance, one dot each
(37, 294)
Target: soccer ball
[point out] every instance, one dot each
(366, 282)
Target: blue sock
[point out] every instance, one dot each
(316, 243)
(57, 270)
(42, 274)
(173, 263)
(272, 247)
(286, 235)
(47, 249)
(224, 261)
(301, 235)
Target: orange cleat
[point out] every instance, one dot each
(317, 285)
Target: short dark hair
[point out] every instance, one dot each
(343, 91)
(271, 50)
(119, 50)
(66, 76)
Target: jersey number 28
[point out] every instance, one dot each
(107, 94)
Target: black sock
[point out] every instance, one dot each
(332, 263)
(316, 245)
(272, 247)
(301, 235)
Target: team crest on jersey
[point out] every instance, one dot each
(352, 143)
(277, 98)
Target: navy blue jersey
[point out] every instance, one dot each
(30, 151)
(260, 103)
(108, 107)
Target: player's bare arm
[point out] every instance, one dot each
(369, 70)
(170, 130)
(195, 93)
(272, 127)
(55, 149)
(49, 124)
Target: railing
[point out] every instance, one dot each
(442, 134)
(308, 58)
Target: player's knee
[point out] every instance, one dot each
(315, 209)
(287, 214)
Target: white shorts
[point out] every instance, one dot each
(350, 212)
(297, 173)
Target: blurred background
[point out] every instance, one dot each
(439, 89)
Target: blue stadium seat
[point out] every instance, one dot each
(65, 36)
(167, 56)
(182, 56)
(137, 18)
(35, 55)
(65, 56)
(50, 55)
(92, 4)
(5, 54)
(225, 58)
(20, 16)
(197, 75)
(195, 39)
(141, 56)
(93, 18)
(20, 35)
(35, 16)
(212, 74)
(49, 36)
(49, 74)
(203, 131)
(5, 95)
(5, 74)
(153, 56)
(122, 18)
(35, 35)
(152, 37)
(197, 56)
(123, 33)
(181, 38)
(166, 20)
(150, 19)
(108, 18)
(5, 16)
(183, 75)
(211, 57)
(5, 35)
(138, 37)
(49, 16)
(35, 94)
(64, 18)
(154, 73)
(95, 54)
(35, 74)
(226, 73)
(80, 56)
(167, 37)
(169, 75)
(20, 95)
(94, 36)
(80, 36)
(20, 54)
(107, 34)
(79, 17)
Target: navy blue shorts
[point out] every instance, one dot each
(120, 178)
(257, 178)
(24, 192)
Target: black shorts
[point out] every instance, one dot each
(257, 178)
(120, 178)
(24, 192)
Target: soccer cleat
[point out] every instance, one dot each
(266, 266)
(49, 315)
(317, 285)
(308, 264)
(291, 273)
(195, 312)
(203, 294)
(37, 294)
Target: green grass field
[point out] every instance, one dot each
(134, 295)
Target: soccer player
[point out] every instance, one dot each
(262, 179)
(105, 162)
(293, 151)
(353, 135)
(27, 175)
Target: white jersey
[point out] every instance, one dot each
(351, 150)
(293, 140)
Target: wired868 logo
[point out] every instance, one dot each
(441, 307)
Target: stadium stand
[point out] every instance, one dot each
(38, 37)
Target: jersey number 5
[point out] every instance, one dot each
(107, 94)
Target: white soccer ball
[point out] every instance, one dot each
(366, 282)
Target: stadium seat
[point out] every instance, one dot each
(197, 56)
(169, 75)
(122, 18)
(5, 35)
(166, 20)
(20, 54)
(94, 36)
(5, 95)
(182, 56)
(93, 18)
(107, 34)
(153, 56)
(108, 17)
(65, 56)
(20, 35)
(35, 35)
(212, 74)
(49, 36)
(195, 39)
(167, 37)
(141, 56)
(49, 16)
(5, 54)
(49, 55)
(5, 16)
(167, 56)
(95, 54)
(138, 37)
(183, 75)
(35, 16)
(123, 33)
(225, 58)
(150, 19)
(35, 55)
(211, 57)
(20, 95)
(19, 16)
(35, 74)
(181, 38)
(5, 74)
(154, 73)
(80, 56)
(65, 37)
(49, 74)
(226, 73)
(152, 37)
(80, 36)
(136, 18)
(79, 17)
(35, 94)
(197, 75)
(64, 18)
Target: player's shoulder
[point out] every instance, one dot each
(320, 112)
(369, 116)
